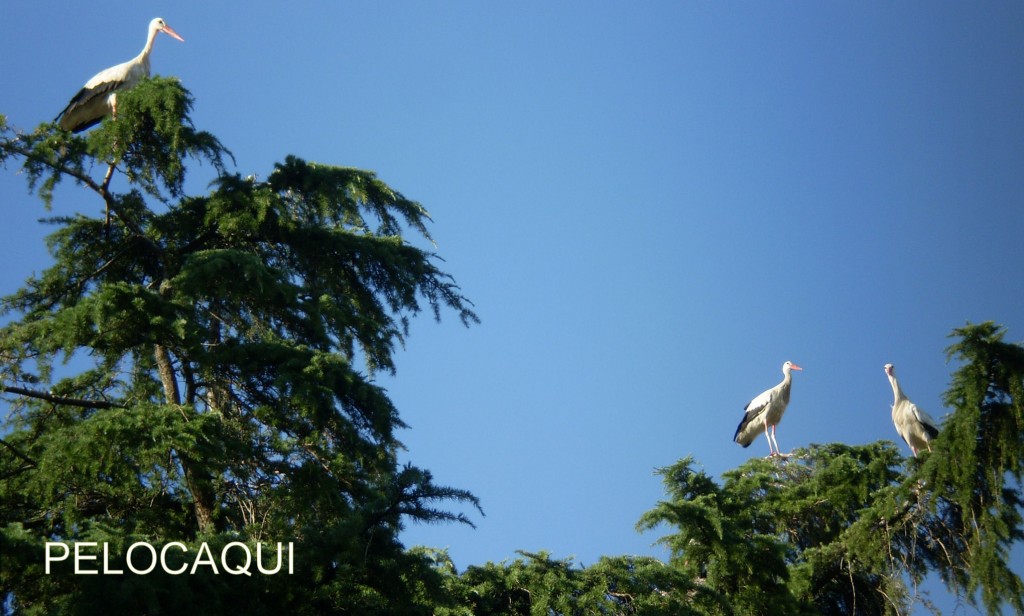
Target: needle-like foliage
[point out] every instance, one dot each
(199, 368)
(839, 529)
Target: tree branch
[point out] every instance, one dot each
(167, 376)
(17, 452)
(49, 397)
(86, 179)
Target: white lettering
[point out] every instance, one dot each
(152, 553)
(243, 570)
(259, 560)
(163, 558)
(86, 551)
(106, 563)
(80, 557)
(50, 557)
(204, 548)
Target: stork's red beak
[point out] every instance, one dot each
(167, 30)
(794, 367)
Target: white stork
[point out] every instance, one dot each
(98, 97)
(765, 412)
(916, 427)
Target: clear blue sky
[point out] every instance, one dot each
(653, 205)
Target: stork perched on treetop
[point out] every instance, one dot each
(916, 427)
(98, 97)
(765, 412)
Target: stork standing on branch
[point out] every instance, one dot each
(98, 97)
(916, 427)
(765, 412)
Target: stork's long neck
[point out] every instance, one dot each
(783, 387)
(143, 57)
(896, 391)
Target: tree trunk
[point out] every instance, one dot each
(197, 479)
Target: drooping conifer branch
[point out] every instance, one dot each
(51, 397)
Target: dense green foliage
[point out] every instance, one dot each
(199, 369)
(836, 529)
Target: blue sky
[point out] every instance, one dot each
(652, 205)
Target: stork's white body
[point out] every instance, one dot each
(765, 411)
(916, 427)
(98, 97)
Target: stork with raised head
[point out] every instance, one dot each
(98, 97)
(916, 427)
(765, 411)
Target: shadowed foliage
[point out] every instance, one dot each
(200, 369)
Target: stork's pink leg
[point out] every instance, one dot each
(767, 435)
